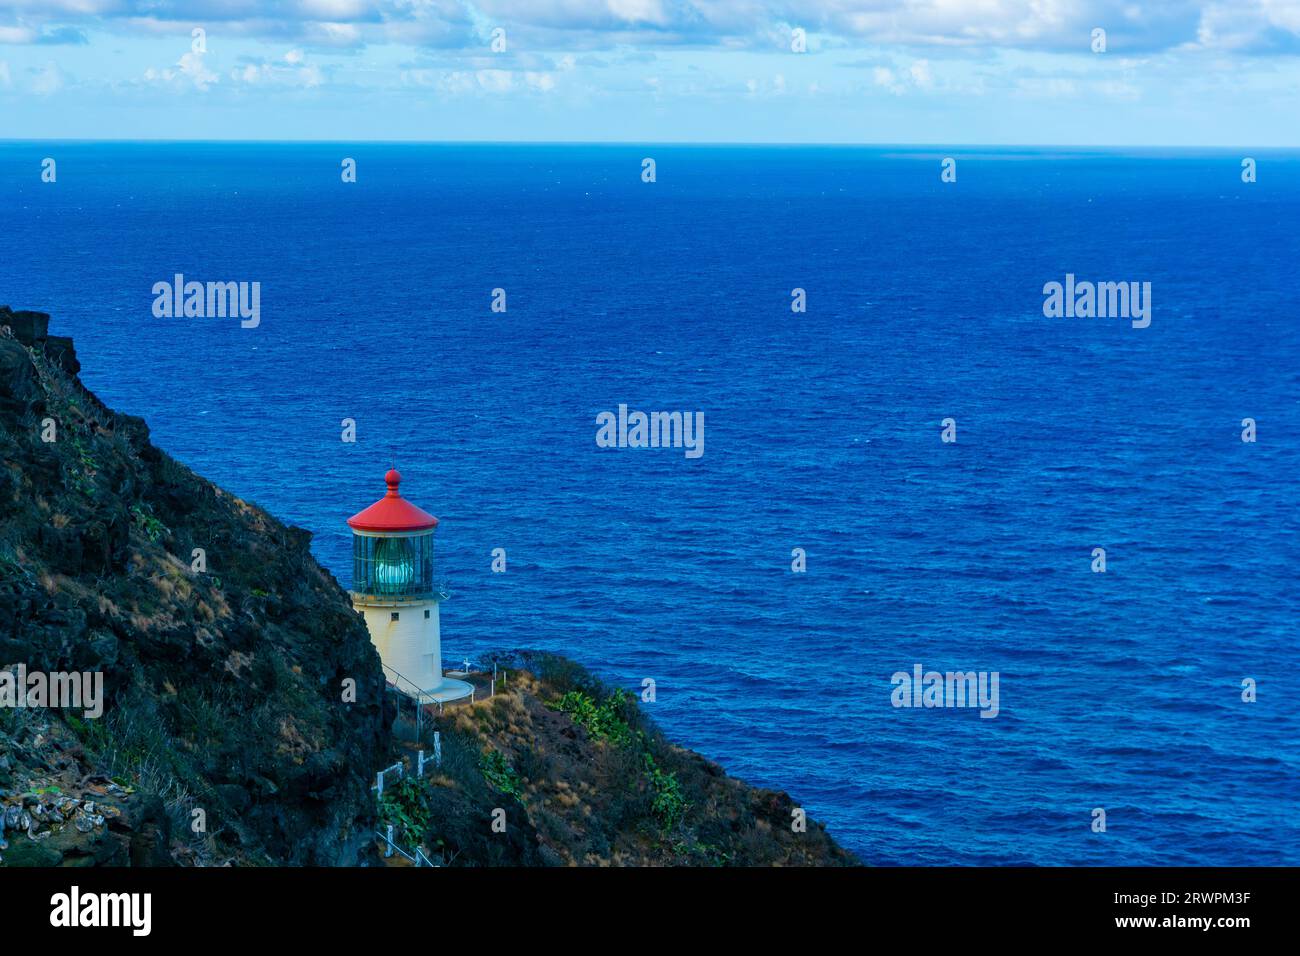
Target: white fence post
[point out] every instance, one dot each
(437, 749)
(419, 764)
(388, 851)
(493, 691)
(379, 778)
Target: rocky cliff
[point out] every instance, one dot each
(225, 649)
(557, 769)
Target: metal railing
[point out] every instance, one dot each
(418, 857)
(438, 591)
(399, 768)
(422, 698)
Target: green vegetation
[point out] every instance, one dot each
(608, 720)
(406, 805)
(84, 457)
(604, 720)
(669, 805)
(153, 528)
(498, 772)
(92, 733)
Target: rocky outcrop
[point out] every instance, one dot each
(226, 651)
(557, 769)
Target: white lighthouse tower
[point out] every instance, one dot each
(393, 588)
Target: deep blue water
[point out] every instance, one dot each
(822, 431)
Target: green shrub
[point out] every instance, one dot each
(669, 804)
(604, 720)
(93, 734)
(153, 528)
(405, 804)
(84, 458)
(500, 775)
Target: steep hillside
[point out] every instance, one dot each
(579, 775)
(224, 669)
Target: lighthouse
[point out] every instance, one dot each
(393, 588)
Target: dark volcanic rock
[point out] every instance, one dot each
(19, 388)
(224, 687)
(30, 328)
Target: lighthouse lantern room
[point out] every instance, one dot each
(394, 589)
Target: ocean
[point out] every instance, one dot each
(1119, 690)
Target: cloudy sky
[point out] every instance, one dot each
(895, 71)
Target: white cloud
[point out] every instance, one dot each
(1249, 26)
(268, 74)
(495, 81)
(638, 11)
(191, 68)
(476, 82)
(188, 72)
(899, 80)
(884, 77)
(333, 34)
(336, 10)
(543, 82)
(1045, 25)
(292, 70)
(491, 75)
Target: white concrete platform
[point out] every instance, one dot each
(449, 690)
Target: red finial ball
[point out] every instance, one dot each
(393, 479)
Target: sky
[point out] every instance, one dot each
(970, 72)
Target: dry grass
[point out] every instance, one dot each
(236, 662)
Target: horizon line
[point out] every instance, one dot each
(841, 144)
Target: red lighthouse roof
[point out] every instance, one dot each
(393, 513)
